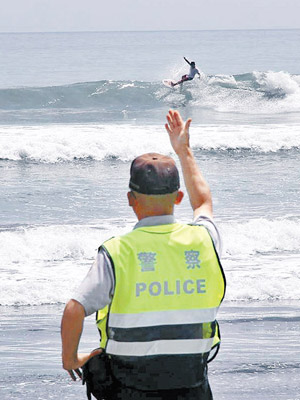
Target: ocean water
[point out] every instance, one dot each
(75, 109)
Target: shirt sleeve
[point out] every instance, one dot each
(213, 230)
(96, 290)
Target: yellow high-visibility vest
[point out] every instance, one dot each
(169, 284)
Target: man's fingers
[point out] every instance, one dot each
(187, 124)
(81, 360)
(168, 129)
(175, 122)
(177, 118)
(170, 120)
(174, 119)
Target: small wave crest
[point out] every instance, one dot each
(261, 236)
(44, 264)
(66, 143)
(261, 259)
(104, 94)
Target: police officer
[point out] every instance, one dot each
(162, 284)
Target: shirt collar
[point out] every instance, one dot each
(157, 220)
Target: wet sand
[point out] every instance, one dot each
(259, 356)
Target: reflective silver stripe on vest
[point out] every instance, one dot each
(159, 347)
(156, 318)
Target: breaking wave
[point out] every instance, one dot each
(67, 143)
(254, 93)
(50, 261)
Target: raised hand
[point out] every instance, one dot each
(178, 131)
(197, 187)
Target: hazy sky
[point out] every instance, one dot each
(103, 15)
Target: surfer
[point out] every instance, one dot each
(191, 75)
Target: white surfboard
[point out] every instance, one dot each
(168, 83)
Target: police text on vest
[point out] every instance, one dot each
(165, 288)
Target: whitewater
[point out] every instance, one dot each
(258, 155)
(30, 273)
(250, 94)
(75, 109)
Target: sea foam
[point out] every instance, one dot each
(44, 264)
(60, 143)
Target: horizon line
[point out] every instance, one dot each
(152, 30)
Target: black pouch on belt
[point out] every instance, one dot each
(97, 377)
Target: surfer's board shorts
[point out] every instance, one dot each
(186, 78)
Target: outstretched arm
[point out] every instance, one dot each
(71, 329)
(187, 60)
(197, 187)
